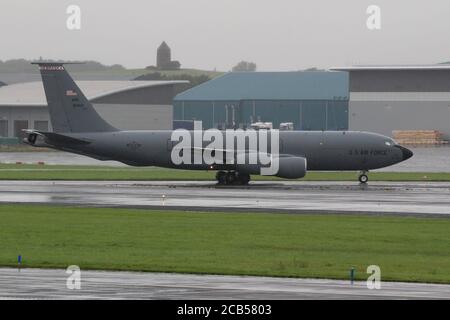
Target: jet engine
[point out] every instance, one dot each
(292, 167)
(35, 139)
(289, 167)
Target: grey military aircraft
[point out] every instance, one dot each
(79, 129)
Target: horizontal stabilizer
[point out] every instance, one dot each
(53, 138)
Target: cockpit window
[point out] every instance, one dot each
(389, 143)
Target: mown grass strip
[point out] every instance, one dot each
(324, 246)
(66, 172)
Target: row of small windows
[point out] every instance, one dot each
(19, 125)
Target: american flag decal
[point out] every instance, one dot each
(71, 93)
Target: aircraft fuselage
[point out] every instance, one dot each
(324, 150)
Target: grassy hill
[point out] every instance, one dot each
(190, 72)
(92, 69)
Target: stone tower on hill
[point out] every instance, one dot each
(164, 59)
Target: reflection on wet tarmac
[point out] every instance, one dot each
(298, 197)
(51, 284)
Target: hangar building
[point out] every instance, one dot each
(128, 105)
(387, 98)
(311, 100)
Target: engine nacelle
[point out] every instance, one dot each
(292, 167)
(31, 138)
(35, 140)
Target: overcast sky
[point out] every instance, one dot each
(208, 34)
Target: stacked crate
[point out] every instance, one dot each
(418, 137)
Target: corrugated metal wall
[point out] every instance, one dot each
(311, 100)
(305, 114)
(138, 109)
(30, 114)
(384, 116)
(137, 117)
(385, 100)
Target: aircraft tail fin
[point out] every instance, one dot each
(70, 110)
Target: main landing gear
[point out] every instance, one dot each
(363, 178)
(232, 178)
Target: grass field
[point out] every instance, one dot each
(61, 172)
(326, 246)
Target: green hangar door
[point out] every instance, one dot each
(308, 100)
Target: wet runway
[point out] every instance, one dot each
(51, 284)
(402, 198)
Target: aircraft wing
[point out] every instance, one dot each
(227, 154)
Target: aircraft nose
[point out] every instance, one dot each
(406, 153)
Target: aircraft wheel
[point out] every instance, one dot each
(243, 178)
(221, 177)
(363, 178)
(230, 177)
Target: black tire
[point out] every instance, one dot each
(243, 178)
(221, 177)
(231, 177)
(363, 178)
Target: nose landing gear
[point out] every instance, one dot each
(363, 178)
(232, 178)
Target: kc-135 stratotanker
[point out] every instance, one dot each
(79, 129)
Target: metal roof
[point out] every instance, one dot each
(32, 93)
(301, 85)
(394, 67)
